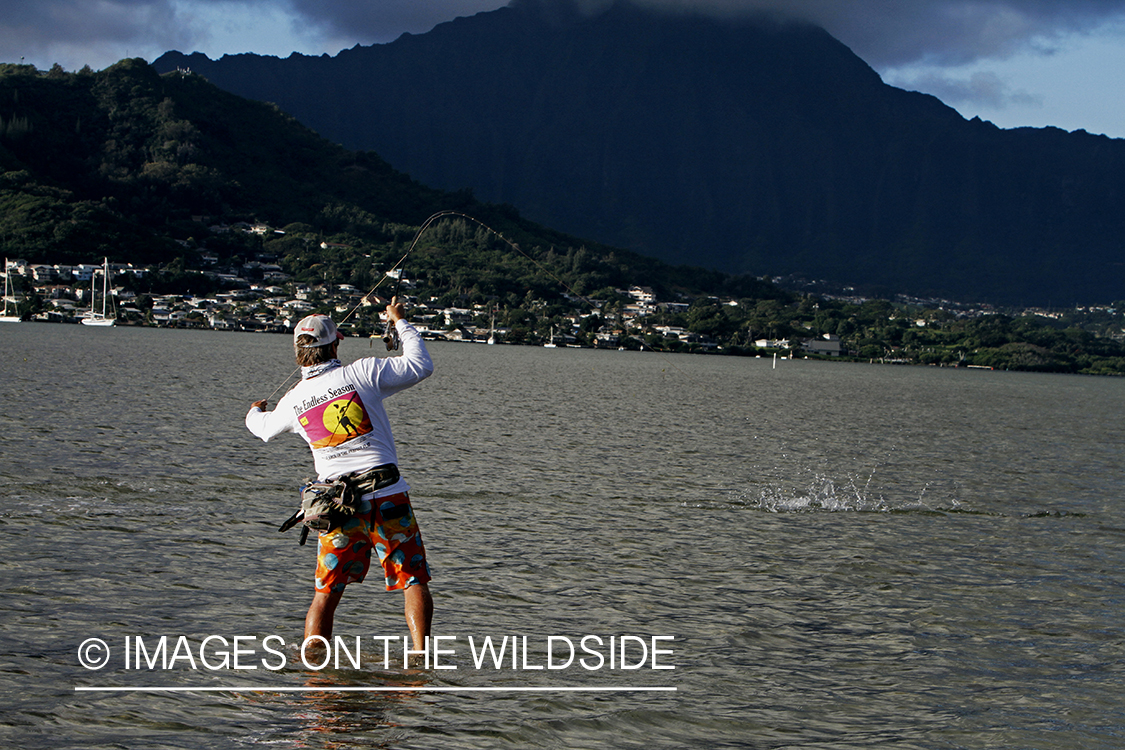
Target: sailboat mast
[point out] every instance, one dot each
(9, 291)
(94, 318)
(105, 283)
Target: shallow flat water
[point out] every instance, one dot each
(846, 555)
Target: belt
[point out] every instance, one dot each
(374, 479)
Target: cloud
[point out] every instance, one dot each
(982, 88)
(372, 21)
(100, 32)
(885, 33)
(882, 32)
(899, 32)
(88, 32)
(954, 32)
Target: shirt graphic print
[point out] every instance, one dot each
(335, 421)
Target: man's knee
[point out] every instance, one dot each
(326, 601)
(417, 591)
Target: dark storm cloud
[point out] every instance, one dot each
(883, 32)
(369, 21)
(43, 23)
(949, 32)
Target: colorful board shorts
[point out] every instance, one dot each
(386, 526)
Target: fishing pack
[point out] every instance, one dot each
(325, 505)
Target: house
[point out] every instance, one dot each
(138, 271)
(828, 344)
(298, 305)
(456, 316)
(44, 274)
(698, 339)
(638, 310)
(607, 340)
(642, 294)
(85, 271)
(674, 307)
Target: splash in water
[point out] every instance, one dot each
(822, 493)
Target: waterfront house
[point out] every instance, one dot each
(828, 344)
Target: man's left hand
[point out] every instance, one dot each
(396, 311)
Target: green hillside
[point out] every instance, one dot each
(133, 165)
(125, 159)
(149, 169)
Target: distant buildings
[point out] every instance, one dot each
(829, 344)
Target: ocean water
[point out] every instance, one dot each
(829, 555)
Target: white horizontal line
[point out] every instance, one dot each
(351, 689)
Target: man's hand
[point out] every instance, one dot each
(395, 311)
(260, 404)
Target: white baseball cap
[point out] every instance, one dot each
(320, 327)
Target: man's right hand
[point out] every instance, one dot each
(260, 404)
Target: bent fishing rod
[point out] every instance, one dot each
(390, 333)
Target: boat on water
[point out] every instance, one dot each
(551, 341)
(13, 316)
(93, 318)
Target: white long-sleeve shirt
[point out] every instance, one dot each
(340, 412)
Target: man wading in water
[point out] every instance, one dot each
(338, 410)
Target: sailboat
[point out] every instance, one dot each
(492, 327)
(7, 317)
(94, 318)
(551, 341)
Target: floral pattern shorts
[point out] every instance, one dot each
(385, 525)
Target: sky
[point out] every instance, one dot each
(1013, 62)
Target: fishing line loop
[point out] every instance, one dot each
(390, 334)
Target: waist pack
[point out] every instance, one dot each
(326, 504)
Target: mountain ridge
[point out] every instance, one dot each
(756, 146)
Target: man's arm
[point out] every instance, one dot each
(265, 424)
(414, 364)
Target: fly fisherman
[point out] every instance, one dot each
(338, 410)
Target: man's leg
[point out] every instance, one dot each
(318, 621)
(419, 613)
